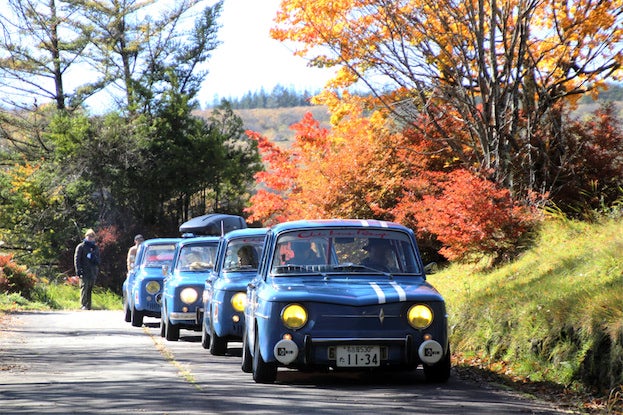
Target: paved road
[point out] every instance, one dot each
(92, 362)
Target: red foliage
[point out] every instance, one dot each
(471, 217)
(593, 175)
(361, 169)
(15, 278)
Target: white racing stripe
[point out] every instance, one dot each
(402, 295)
(379, 293)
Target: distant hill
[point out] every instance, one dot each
(274, 123)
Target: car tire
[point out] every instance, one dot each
(440, 371)
(205, 336)
(163, 325)
(263, 372)
(172, 332)
(127, 312)
(247, 359)
(136, 317)
(218, 345)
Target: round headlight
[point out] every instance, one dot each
(238, 301)
(294, 316)
(189, 295)
(420, 316)
(152, 287)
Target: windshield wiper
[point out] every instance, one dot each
(350, 267)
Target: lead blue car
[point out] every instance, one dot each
(142, 288)
(183, 285)
(225, 291)
(346, 295)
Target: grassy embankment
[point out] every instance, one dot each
(553, 315)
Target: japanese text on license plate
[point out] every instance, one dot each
(358, 356)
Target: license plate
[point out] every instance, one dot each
(358, 356)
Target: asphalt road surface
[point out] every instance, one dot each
(92, 362)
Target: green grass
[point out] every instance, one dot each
(59, 297)
(555, 314)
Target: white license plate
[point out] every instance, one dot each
(358, 356)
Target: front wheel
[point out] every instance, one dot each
(205, 336)
(440, 371)
(136, 317)
(263, 372)
(127, 312)
(247, 359)
(218, 345)
(171, 331)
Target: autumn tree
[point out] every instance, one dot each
(502, 68)
(348, 171)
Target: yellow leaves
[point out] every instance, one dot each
(566, 40)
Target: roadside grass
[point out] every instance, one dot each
(58, 296)
(554, 315)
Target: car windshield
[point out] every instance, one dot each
(243, 254)
(196, 257)
(159, 255)
(345, 250)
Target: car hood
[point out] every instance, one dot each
(353, 290)
(188, 278)
(234, 281)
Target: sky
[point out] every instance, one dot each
(248, 59)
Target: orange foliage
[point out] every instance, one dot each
(571, 43)
(361, 168)
(350, 171)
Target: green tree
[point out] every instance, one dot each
(138, 53)
(41, 46)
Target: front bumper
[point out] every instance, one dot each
(403, 352)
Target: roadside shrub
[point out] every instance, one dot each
(15, 278)
(473, 218)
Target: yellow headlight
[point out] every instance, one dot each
(152, 287)
(294, 316)
(189, 295)
(238, 301)
(420, 316)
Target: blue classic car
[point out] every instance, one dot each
(225, 291)
(142, 288)
(183, 285)
(346, 295)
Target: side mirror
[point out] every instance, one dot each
(431, 268)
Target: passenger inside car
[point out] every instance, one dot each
(247, 257)
(303, 254)
(379, 252)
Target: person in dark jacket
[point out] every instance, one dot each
(86, 262)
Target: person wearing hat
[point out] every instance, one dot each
(86, 263)
(378, 250)
(138, 239)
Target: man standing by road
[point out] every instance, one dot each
(138, 239)
(86, 262)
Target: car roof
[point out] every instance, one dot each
(338, 223)
(161, 241)
(245, 232)
(198, 239)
